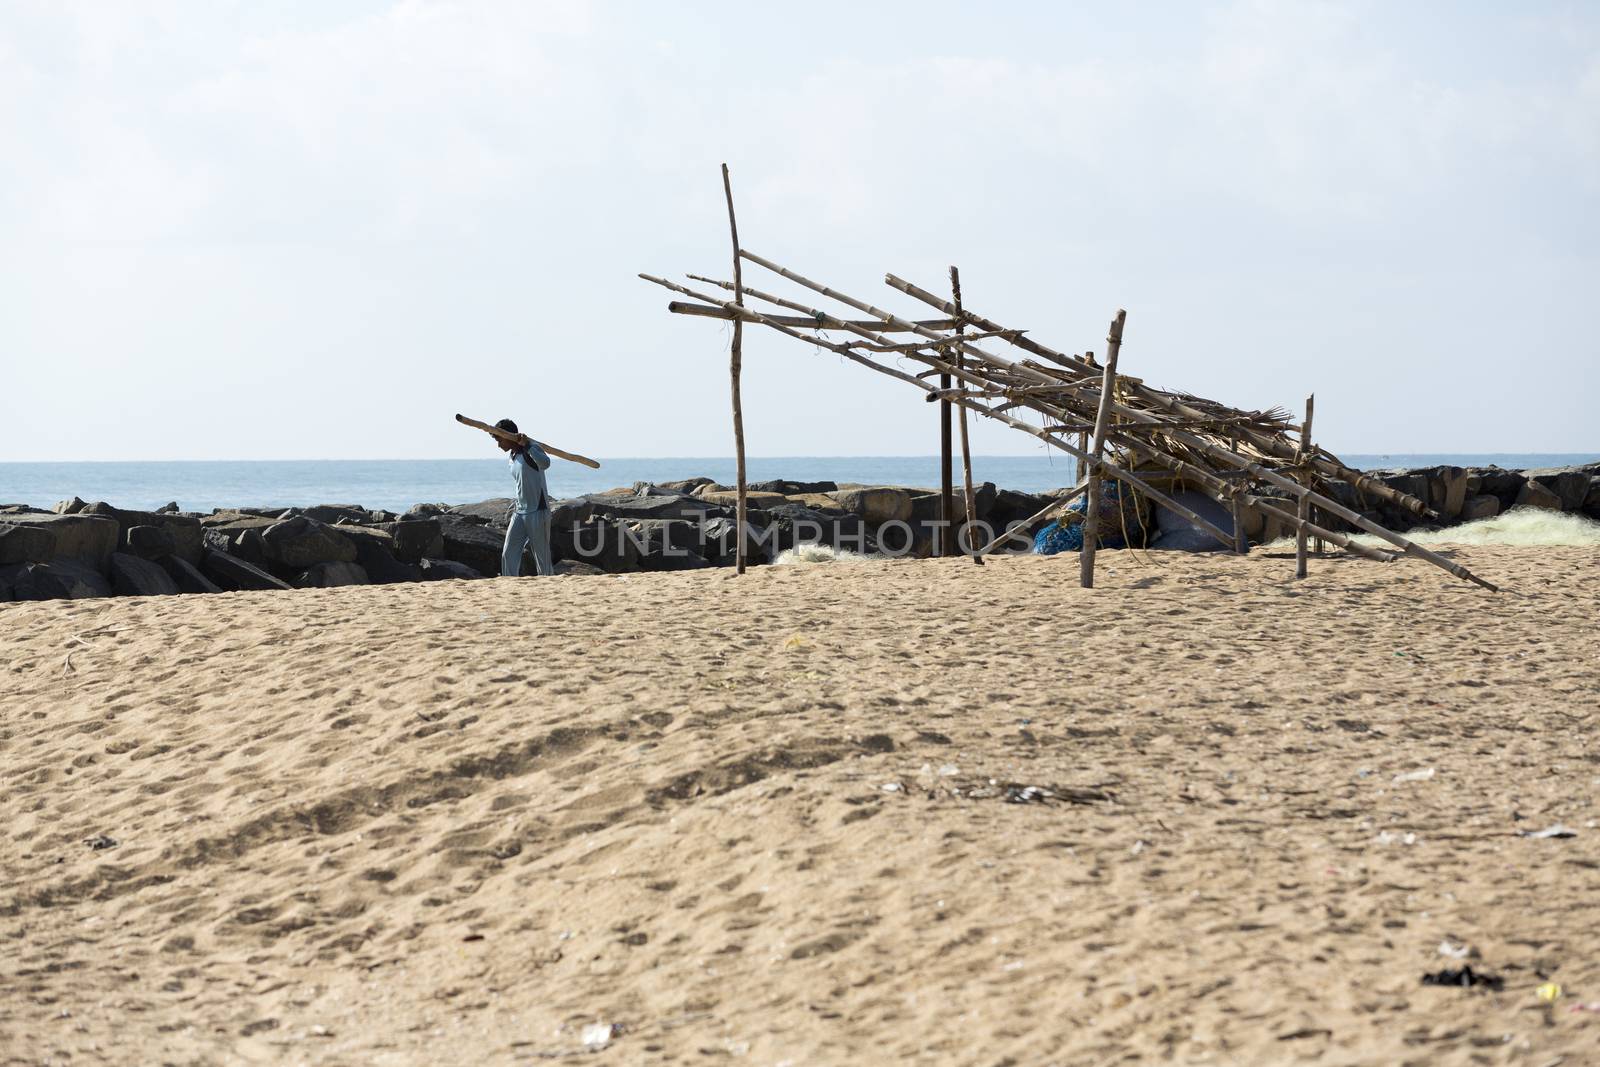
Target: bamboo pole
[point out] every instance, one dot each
(966, 450)
(1241, 543)
(734, 367)
(702, 311)
(1102, 419)
(1083, 437)
(762, 320)
(1303, 509)
(1108, 468)
(947, 506)
(1272, 445)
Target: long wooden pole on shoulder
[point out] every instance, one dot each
(1091, 513)
(735, 361)
(966, 449)
(522, 438)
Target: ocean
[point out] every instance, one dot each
(396, 484)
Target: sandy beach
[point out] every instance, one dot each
(787, 818)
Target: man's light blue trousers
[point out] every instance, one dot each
(527, 528)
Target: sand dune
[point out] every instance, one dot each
(772, 819)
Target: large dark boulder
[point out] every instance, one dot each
(304, 542)
(332, 575)
(132, 576)
(332, 514)
(89, 539)
(495, 512)
(1591, 502)
(60, 579)
(230, 516)
(875, 504)
(597, 542)
(240, 537)
(1447, 490)
(787, 488)
(381, 565)
(152, 542)
(1011, 506)
(414, 538)
(668, 544)
(187, 577)
(788, 525)
(925, 507)
(424, 511)
(571, 512)
(185, 530)
(682, 485)
(364, 534)
(663, 505)
(1501, 484)
(230, 572)
(1538, 495)
(375, 555)
(1569, 484)
(719, 542)
(26, 544)
(434, 570)
(472, 542)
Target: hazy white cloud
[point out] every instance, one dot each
(337, 203)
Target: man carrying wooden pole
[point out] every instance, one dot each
(528, 525)
(734, 366)
(1091, 513)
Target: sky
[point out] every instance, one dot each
(232, 230)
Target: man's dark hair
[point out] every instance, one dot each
(507, 425)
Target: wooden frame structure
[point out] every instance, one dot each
(1135, 432)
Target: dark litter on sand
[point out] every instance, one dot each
(1465, 977)
(101, 841)
(1018, 793)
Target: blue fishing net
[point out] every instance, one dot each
(1057, 537)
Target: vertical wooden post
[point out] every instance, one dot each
(947, 503)
(966, 450)
(1102, 418)
(735, 363)
(1241, 543)
(1303, 513)
(1083, 438)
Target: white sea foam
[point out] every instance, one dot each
(811, 553)
(1526, 527)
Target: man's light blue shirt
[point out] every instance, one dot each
(527, 470)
